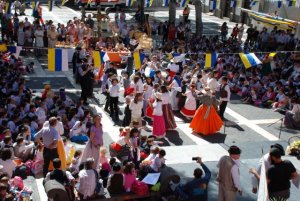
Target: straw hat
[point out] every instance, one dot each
(206, 90)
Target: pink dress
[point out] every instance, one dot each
(129, 179)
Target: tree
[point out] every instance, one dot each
(199, 24)
(172, 11)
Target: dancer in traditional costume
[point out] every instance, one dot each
(170, 123)
(127, 112)
(151, 99)
(189, 108)
(175, 86)
(159, 129)
(206, 119)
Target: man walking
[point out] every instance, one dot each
(50, 137)
(224, 96)
(228, 176)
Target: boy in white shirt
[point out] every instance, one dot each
(114, 91)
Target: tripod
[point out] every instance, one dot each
(281, 119)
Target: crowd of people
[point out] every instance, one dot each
(36, 130)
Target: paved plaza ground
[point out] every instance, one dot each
(249, 127)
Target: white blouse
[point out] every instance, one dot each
(157, 109)
(166, 98)
(87, 182)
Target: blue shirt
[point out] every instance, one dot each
(197, 188)
(49, 135)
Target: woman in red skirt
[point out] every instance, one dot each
(159, 129)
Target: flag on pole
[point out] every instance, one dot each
(3, 47)
(15, 50)
(63, 2)
(172, 55)
(210, 60)
(166, 3)
(98, 58)
(8, 7)
(272, 54)
(213, 4)
(148, 3)
(291, 3)
(233, 4)
(57, 59)
(253, 3)
(249, 59)
(138, 59)
(263, 194)
(279, 4)
(50, 5)
(184, 3)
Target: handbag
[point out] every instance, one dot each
(296, 116)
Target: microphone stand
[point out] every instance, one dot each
(281, 119)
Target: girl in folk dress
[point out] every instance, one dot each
(159, 129)
(127, 111)
(206, 119)
(175, 86)
(189, 108)
(151, 99)
(148, 88)
(167, 110)
(136, 106)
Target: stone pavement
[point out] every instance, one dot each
(246, 127)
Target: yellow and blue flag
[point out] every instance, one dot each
(129, 2)
(98, 58)
(166, 3)
(148, 3)
(3, 47)
(57, 59)
(253, 3)
(138, 59)
(279, 4)
(50, 5)
(184, 3)
(210, 60)
(291, 3)
(272, 54)
(249, 59)
(232, 3)
(15, 50)
(8, 7)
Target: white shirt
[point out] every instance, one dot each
(87, 181)
(8, 166)
(157, 163)
(136, 109)
(166, 98)
(157, 108)
(213, 84)
(173, 67)
(227, 89)
(265, 159)
(114, 90)
(235, 172)
(59, 127)
(77, 129)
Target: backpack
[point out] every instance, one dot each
(140, 188)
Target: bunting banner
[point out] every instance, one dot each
(57, 60)
(279, 4)
(213, 4)
(98, 58)
(233, 3)
(138, 59)
(249, 59)
(15, 50)
(50, 5)
(210, 60)
(272, 54)
(166, 3)
(184, 3)
(291, 3)
(8, 7)
(148, 3)
(3, 47)
(253, 3)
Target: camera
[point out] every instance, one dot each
(195, 158)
